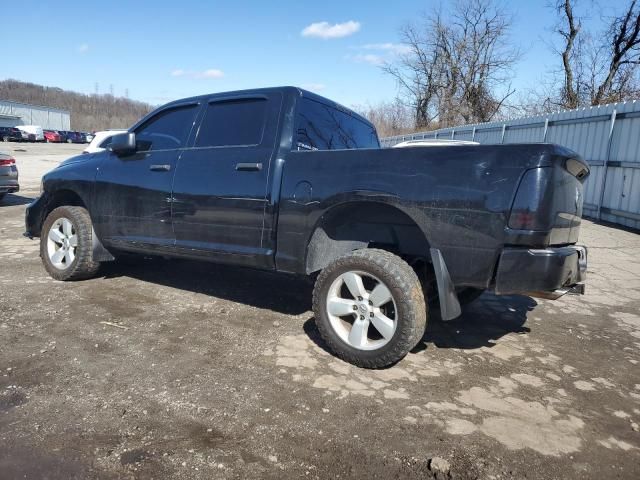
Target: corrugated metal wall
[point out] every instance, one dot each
(13, 113)
(608, 137)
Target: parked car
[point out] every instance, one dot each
(10, 134)
(433, 142)
(34, 133)
(75, 137)
(8, 175)
(72, 136)
(28, 137)
(51, 136)
(285, 180)
(101, 141)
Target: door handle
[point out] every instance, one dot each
(160, 168)
(249, 167)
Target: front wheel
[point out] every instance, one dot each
(66, 244)
(369, 308)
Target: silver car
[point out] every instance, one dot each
(8, 175)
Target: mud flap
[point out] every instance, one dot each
(100, 254)
(449, 304)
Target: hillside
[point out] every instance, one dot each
(88, 112)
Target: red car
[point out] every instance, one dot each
(51, 136)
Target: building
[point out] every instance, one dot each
(14, 113)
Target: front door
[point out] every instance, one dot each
(133, 193)
(220, 188)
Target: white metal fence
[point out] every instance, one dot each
(608, 137)
(15, 113)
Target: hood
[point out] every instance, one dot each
(76, 159)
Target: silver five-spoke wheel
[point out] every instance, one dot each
(362, 310)
(62, 242)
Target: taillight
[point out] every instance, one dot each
(7, 162)
(528, 210)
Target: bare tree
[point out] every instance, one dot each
(389, 118)
(458, 66)
(569, 33)
(598, 69)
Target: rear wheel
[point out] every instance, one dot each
(369, 308)
(66, 244)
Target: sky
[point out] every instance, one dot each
(159, 51)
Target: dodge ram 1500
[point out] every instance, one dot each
(286, 180)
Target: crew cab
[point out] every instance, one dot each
(285, 180)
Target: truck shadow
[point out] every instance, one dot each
(481, 324)
(12, 199)
(286, 294)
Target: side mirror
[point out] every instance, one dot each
(123, 144)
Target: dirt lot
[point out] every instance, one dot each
(213, 372)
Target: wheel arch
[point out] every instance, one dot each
(360, 223)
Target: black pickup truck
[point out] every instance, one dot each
(283, 179)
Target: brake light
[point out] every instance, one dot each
(7, 162)
(528, 210)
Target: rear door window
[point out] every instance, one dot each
(233, 123)
(323, 127)
(167, 130)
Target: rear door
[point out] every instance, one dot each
(133, 193)
(220, 185)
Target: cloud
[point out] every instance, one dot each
(314, 87)
(394, 48)
(378, 54)
(83, 48)
(326, 31)
(370, 58)
(209, 73)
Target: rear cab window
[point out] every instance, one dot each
(320, 126)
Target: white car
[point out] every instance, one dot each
(101, 141)
(28, 130)
(433, 142)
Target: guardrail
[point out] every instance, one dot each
(608, 137)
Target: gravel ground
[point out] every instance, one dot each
(173, 369)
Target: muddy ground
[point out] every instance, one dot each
(173, 369)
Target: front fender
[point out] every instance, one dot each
(34, 217)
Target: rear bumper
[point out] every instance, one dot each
(9, 186)
(547, 273)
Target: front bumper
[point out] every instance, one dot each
(547, 273)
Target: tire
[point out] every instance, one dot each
(79, 263)
(406, 309)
